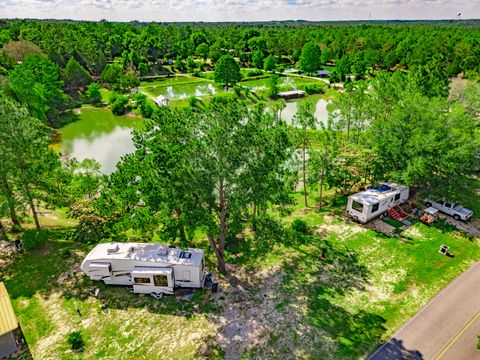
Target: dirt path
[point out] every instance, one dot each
(471, 229)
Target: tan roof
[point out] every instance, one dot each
(8, 321)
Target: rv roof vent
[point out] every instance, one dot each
(185, 255)
(113, 249)
(131, 249)
(163, 251)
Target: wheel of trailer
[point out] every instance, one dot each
(428, 204)
(156, 295)
(383, 215)
(456, 217)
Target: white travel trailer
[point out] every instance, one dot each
(151, 268)
(375, 201)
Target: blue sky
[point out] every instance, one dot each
(239, 10)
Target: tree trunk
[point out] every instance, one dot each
(322, 176)
(304, 176)
(220, 249)
(223, 223)
(348, 123)
(32, 205)
(11, 203)
(254, 220)
(3, 232)
(181, 227)
(220, 259)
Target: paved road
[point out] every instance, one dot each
(445, 329)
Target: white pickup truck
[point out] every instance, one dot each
(457, 211)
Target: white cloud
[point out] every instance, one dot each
(238, 10)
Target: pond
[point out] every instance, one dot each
(182, 87)
(183, 91)
(100, 135)
(322, 111)
(262, 84)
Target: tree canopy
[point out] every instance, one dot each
(227, 71)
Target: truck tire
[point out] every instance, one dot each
(428, 204)
(456, 217)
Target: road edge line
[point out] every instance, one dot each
(423, 309)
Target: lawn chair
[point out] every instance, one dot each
(444, 250)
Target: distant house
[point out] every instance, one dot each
(323, 73)
(291, 71)
(8, 323)
(161, 100)
(338, 86)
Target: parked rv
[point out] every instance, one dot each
(150, 268)
(375, 201)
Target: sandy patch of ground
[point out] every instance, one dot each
(252, 325)
(7, 254)
(381, 226)
(414, 232)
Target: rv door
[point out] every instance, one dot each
(148, 280)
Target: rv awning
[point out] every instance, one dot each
(8, 321)
(151, 271)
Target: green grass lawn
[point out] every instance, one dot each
(44, 285)
(341, 306)
(370, 283)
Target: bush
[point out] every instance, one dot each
(65, 253)
(237, 90)
(253, 73)
(300, 226)
(193, 101)
(34, 239)
(118, 104)
(16, 228)
(314, 88)
(75, 341)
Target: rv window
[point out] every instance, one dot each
(141, 280)
(375, 207)
(185, 255)
(357, 206)
(397, 196)
(160, 280)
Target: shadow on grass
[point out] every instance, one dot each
(323, 282)
(35, 271)
(316, 275)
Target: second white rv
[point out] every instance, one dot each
(150, 268)
(375, 201)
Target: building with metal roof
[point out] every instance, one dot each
(8, 323)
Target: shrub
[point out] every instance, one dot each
(253, 73)
(75, 341)
(237, 90)
(16, 228)
(65, 253)
(34, 239)
(93, 92)
(300, 226)
(193, 101)
(118, 104)
(314, 88)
